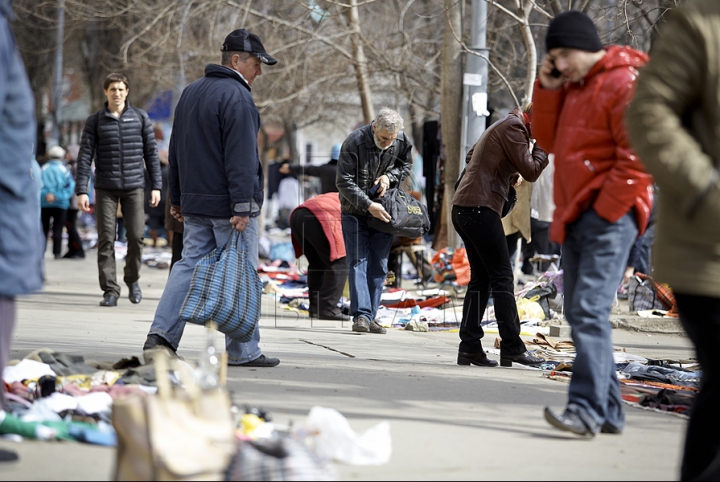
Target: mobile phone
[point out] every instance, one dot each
(374, 190)
(555, 72)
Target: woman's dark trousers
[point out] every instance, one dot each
(490, 271)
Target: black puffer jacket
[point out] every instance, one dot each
(118, 146)
(361, 162)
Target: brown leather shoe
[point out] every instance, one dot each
(480, 359)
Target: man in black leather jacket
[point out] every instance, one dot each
(121, 141)
(378, 153)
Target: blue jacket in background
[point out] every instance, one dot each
(215, 169)
(57, 179)
(21, 237)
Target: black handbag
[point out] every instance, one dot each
(409, 217)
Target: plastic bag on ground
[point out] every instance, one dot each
(329, 434)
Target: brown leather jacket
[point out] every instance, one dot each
(494, 162)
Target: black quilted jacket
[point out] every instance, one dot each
(120, 147)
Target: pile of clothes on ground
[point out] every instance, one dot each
(655, 384)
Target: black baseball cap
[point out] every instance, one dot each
(241, 40)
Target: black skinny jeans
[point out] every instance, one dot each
(700, 316)
(482, 232)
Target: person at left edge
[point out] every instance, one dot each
(216, 182)
(21, 238)
(120, 139)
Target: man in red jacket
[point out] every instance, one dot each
(602, 196)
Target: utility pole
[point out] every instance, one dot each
(58, 80)
(475, 81)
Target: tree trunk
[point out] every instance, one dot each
(451, 109)
(360, 64)
(529, 41)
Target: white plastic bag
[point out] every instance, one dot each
(329, 434)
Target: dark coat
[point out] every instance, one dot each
(361, 163)
(215, 169)
(494, 162)
(121, 148)
(326, 172)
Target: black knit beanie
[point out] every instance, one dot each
(573, 30)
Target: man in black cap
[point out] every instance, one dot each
(215, 175)
(602, 201)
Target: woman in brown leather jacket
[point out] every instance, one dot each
(495, 163)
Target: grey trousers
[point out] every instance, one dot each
(7, 324)
(133, 212)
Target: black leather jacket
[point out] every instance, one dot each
(361, 162)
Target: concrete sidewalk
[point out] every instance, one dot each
(447, 422)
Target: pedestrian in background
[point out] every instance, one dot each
(120, 140)
(58, 187)
(494, 164)
(326, 172)
(603, 197)
(673, 121)
(216, 182)
(21, 239)
(75, 246)
(316, 231)
(378, 153)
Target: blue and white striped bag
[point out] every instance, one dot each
(226, 289)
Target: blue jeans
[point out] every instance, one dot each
(593, 261)
(202, 235)
(367, 257)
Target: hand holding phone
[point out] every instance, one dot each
(550, 76)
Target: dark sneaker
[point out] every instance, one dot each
(261, 361)
(361, 325)
(376, 328)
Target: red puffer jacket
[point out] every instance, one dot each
(583, 125)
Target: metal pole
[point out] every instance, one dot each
(57, 83)
(475, 81)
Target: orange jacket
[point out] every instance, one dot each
(583, 125)
(326, 208)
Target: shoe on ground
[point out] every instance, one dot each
(361, 325)
(58, 256)
(109, 300)
(480, 359)
(76, 255)
(261, 361)
(8, 456)
(568, 422)
(329, 316)
(154, 341)
(135, 294)
(376, 328)
(612, 429)
(523, 359)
